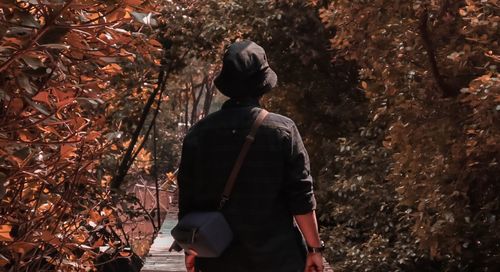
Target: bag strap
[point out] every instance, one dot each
(241, 157)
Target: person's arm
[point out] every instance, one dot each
(301, 201)
(308, 225)
(298, 180)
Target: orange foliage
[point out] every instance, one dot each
(63, 64)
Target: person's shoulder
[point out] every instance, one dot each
(280, 121)
(202, 124)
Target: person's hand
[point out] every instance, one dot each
(189, 260)
(314, 263)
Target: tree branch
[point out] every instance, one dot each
(127, 158)
(39, 35)
(431, 54)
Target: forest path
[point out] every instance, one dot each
(159, 258)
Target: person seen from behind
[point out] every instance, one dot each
(271, 210)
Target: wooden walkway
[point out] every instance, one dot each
(161, 260)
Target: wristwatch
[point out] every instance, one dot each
(319, 249)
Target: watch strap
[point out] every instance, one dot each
(319, 249)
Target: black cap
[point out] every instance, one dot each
(245, 71)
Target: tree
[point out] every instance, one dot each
(424, 66)
(71, 74)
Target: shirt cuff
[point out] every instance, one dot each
(303, 205)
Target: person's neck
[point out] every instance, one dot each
(242, 102)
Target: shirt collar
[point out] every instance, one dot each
(241, 102)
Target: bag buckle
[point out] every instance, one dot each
(223, 201)
(194, 232)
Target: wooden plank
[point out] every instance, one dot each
(327, 266)
(159, 258)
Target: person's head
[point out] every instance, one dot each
(245, 71)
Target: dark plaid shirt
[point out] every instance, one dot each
(274, 184)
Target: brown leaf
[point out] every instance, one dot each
(42, 97)
(67, 151)
(80, 237)
(133, 2)
(154, 42)
(5, 233)
(92, 135)
(65, 102)
(95, 217)
(62, 95)
(16, 105)
(112, 68)
(45, 207)
(48, 237)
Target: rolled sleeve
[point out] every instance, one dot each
(299, 183)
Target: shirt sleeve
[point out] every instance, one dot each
(299, 183)
(185, 178)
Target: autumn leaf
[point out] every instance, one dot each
(106, 211)
(93, 135)
(16, 105)
(42, 97)
(80, 237)
(48, 237)
(64, 103)
(23, 136)
(5, 233)
(112, 68)
(61, 95)
(67, 151)
(133, 2)
(155, 43)
(45, 207)
(95, 217)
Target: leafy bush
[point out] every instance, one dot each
(430, 73)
